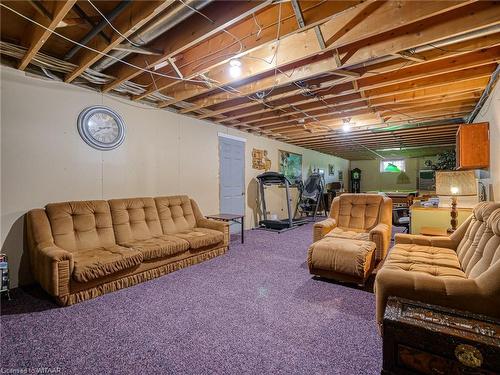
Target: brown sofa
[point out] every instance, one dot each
(366, 217)
(81, 250)
(461, 271)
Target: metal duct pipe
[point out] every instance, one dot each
(158, 26)
(98, 28)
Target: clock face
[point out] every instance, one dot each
(101, 128)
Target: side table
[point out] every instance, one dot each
(240, 219)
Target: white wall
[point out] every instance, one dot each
(491, 113)
(44, 160)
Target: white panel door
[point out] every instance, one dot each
(232, 178)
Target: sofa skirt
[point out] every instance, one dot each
(79, 292)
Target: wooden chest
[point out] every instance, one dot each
(425, 339)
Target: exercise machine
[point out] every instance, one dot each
(277, 179)
(311, 194)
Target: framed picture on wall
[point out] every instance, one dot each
(290, 165)
(331, 169)
(341, 176)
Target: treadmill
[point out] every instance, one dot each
(277, 179)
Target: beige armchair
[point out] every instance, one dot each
(461, 271)
(365, 217)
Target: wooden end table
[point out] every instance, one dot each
(240, 219)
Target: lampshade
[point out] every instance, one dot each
(456, 183)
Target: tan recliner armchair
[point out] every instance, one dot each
(461, 271)
(365, 217)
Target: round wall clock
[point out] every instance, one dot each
(101, 128)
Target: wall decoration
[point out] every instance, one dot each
(331, 169)
(341, 176)
(290, 165)
(101, 128)
(260, 159)
(446, 160)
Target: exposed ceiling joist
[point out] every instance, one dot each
(307, 67)
(36, 39)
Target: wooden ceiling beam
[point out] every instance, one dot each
(304, 44)
(221, 48)
(374, 138)
(341, 99)
(127, 23)
(349, 144)
(178, 40)
(354, 148)
(222, 103)
(400, 88)
(341, 144)
(39, 35)
(392, 100)
(374, 124)
(468, 98)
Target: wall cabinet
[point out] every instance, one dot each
(473, 146)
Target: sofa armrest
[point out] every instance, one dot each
(221, 226)
(454, 292)
(53, 269)
(217, 225)
(321, 228)
(381, 235)
(441, 241)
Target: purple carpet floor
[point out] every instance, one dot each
(255, 310)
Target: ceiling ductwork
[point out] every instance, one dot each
(157, 27)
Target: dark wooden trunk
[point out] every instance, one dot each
(424, 339)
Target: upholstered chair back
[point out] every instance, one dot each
(81, 225)
(135, 219)
(479, 236)
(176, 213)
(360, 211)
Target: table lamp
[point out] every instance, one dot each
(455, 184)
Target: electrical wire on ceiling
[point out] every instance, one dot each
(111, 25)
(136, 88)
(261, 98)
(131, 87)
(97, 51)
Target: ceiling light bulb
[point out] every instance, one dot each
(346, 127)
(235, 68)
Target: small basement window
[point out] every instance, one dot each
(392, 166)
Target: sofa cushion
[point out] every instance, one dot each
(159, 247)
(358, 211)
(134, 219)
(434, 261)
(176, 214)
(92, 264)
(349, 234)
(201, 237)
(81, 225)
